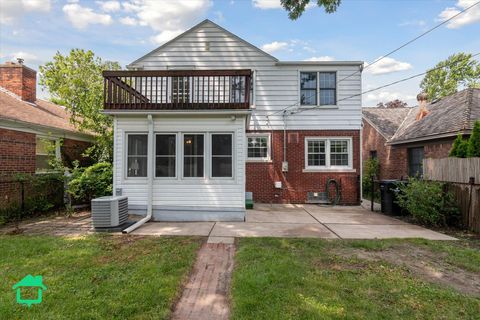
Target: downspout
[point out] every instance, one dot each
(361, 162)
(150, 179)
(284, 135)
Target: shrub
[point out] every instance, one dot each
(428, 202)
(473, 149)
(42, 192)
(371, 168)
(459, 147)
(91, 182)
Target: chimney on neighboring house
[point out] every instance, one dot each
(422, 103)
(19, 79)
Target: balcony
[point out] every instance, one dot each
(177, 89)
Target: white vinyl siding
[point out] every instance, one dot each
(178, 191)
(275, 86)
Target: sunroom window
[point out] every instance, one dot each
(137, 155)
(165, 155)
(222, 155)
(193, 155)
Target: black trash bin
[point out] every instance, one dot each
(388, 195)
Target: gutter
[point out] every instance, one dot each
(178, 112)
(150, 179)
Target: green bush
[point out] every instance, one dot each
(371, 168)
(91, 182)
(42, 192)
(428, 202)
(473, 149)
(459, 147)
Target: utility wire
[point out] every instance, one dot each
(413, 40)
(389, 84)
(382, 57)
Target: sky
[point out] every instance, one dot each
(363, 30)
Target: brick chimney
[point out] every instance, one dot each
(19, 79)
(422, 103)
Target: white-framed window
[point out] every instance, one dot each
(328, 153)
(221, 155)
(44, 146)
(165, 155)
(318, 88)
(137, 153)
(193, 155)
(258, 147)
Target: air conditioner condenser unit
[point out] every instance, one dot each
(109, 211)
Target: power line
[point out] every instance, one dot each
(390, 84)
(413, 40)
(386, 55)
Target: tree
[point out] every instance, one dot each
(459, 71)
(393, 104)
(473, 149)
(459, 147)
(75, 81)
(295, 8)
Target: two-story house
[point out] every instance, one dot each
(208, 116)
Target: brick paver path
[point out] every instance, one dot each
(206, 294)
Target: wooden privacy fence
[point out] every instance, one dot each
(463, 177)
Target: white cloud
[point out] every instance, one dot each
(468, 17)
(274, 46)
(373, 98)
(169, 18)
(165, 36)
(11, 10)
(321, 58)
(28, 57)
(387, 65)
(267, 4)
(219, 17)
(109, 6)
(128, 21)
(81, 17)
(413, 23)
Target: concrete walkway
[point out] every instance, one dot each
(300, 221)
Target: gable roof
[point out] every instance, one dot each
(446, 117)
(197, 26)
(385, 120)
(41, 113)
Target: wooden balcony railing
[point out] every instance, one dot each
(177, 89)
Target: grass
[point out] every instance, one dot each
(314, 279)
(96, 277)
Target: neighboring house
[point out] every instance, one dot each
(402, 137)
(30, 128)
(208, 116)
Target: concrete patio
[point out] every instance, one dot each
(298, 221)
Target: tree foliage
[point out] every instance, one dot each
(295, 8)
(459, 71)
(473, 149)
(459, 147)
(75, 81)
(393, 104)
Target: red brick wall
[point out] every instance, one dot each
(439, 149)
(260, 177)
(17, 152)
(393, 160)
(19, 79)
(73, 150)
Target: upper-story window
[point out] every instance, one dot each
(180, 89)
(318, 88)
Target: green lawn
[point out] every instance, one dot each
(318, 279)
(96, 277)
